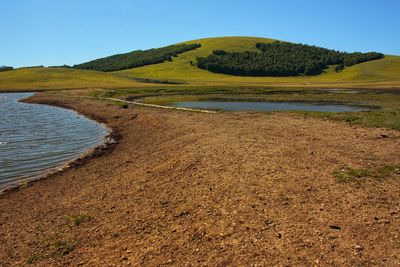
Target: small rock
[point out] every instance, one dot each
(358, 247)
(335, 227)
(183, 213)
(269, 223)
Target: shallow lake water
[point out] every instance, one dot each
(38, 139)
(267, 106)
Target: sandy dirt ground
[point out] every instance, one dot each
(189, 189)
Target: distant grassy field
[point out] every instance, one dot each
(60, 78)
(383, 73)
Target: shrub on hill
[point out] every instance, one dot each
(65, 66)
(32, 67)
(137, 58)
(281, 59)
(5, 68)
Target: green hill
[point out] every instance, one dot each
(377, 73)
(180, 66)
(61, 78)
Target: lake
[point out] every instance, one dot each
(267, 106)
(39, 139)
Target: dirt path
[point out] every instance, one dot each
(159, 106)
(195, 189)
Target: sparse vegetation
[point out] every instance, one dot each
(357, 174)
(33, 259)
(63, 247)
(80, 218)
(50, 247)
(376, 118)
(107, 93)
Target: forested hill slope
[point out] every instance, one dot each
(380, 72)
(137, 58)
(282, 59)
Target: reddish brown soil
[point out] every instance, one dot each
(222, 189)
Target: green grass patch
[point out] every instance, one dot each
(373, 119)
(63, 247)
(104, 93)
(51, 247)
(80, 218)
(358, 174)
(34, 258)
(118, 103)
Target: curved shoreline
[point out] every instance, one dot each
(108, 142)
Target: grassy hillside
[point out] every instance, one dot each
(136, 59)
(381, 73)
(378, 73)
(61, 78)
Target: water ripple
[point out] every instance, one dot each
(36, 139)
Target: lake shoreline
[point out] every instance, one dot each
(210, 189)
(108, 143)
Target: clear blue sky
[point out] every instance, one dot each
(55, 32)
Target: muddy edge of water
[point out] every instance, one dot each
(108, 144)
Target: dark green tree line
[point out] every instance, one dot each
(281, 59)
(5, 68)
(137, 58)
